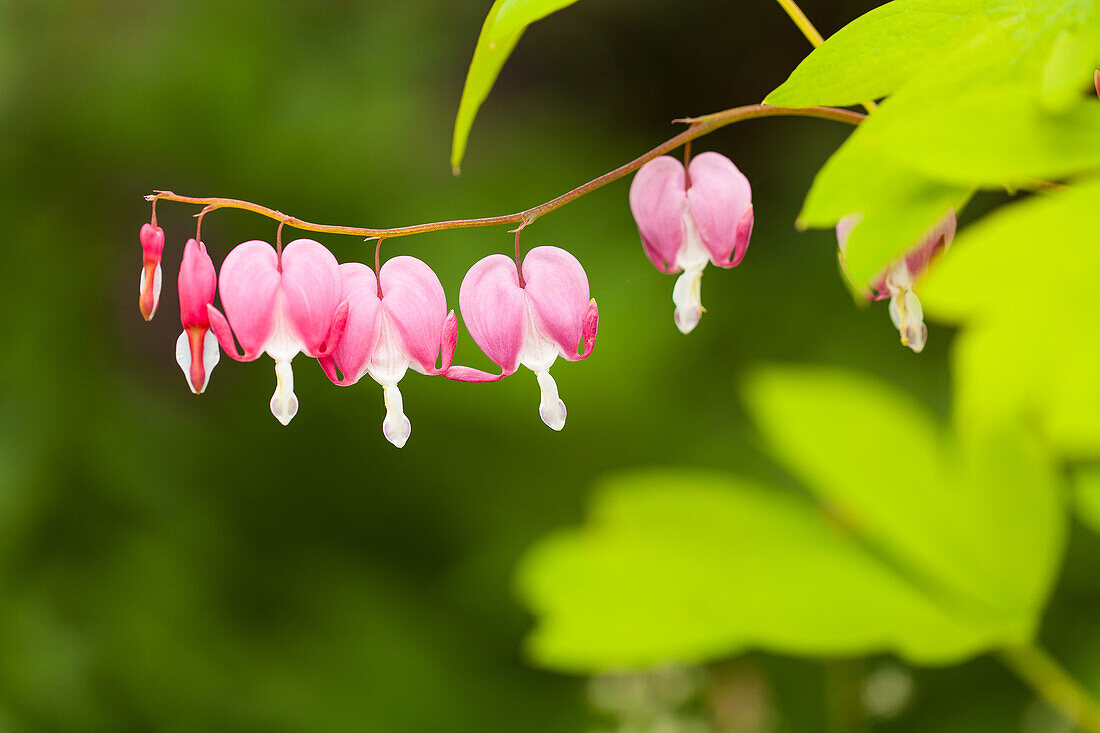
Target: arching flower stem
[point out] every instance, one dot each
(698, 127)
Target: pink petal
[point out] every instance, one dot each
(249, 287)
(938, 238)
(311, 292)
(152, 243)
(415, 301)
(877, 289)
(719, 198)
(197, 282)
(591, 325)
(492, 305)
(354, 350)
(558, 291)
(657, 201)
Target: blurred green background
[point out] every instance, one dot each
(173, 563)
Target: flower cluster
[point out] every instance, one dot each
(356, 321)
(283, 302)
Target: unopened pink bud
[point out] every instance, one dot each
(197, 350)
(152, 246)
(1096, 82)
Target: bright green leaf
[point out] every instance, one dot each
(1022, 281)
(1067, 71)
(515, 15)
(975, 516)
(927, 547)
(934, 48)
(897, 206)
(677, 566)
(489, 58)
(878, 52)
(990, 136)
(503, 27)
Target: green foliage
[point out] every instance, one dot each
(515, 15)
(1022, 282)
(981, 94)
(933, 549)
(1087, 496)
(897, 205)
(505, 23)
(925, 47)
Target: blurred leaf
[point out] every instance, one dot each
(977, 517)
(941, 45)
(991, 135)
(1067, 71)
(679, 566)
(982, 93)
(1022, 281)
(505, 23)
(922, 548)
(1087, 496)
(897, 205)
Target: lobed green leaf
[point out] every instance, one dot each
(916, 545)
(1022, 281)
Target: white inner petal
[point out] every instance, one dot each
(183, 358)
(538, 351)
(908, 317)
(388, 363)
(282, 344)
(396, 427)
(211, 354)
(158, 281)
(551, 408)
(284, 403)
(688, 291)
(537, 354)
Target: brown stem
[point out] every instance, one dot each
(699, 126)
(378, 266)
(519, 261)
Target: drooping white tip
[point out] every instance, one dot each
(908, 316)
(687, 295)
(551, 408)
(211, 354)
(284, 403)
(396, 427)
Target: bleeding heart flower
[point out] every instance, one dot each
(898, 280)
(530, 322)
(197, 350)
(687, 220)
(281, 306)
(402, 323)
(152, 246)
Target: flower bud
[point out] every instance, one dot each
(197, 350)
(152, 246)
